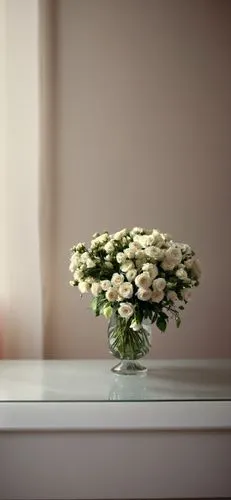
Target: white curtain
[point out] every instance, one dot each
(25, 176)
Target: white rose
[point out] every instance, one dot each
(174, 254)
(96, 289)
(186, 294)
(84, 287)
(127, 266)
(109, 247)
(154, 253)
(134, 245)
(143, 240)
(117, 279)
(120, 234)
(74, 262)
(105, 285)
(131, 274)
(140, 254)
(157, 296)
(84, 257)
(99, 240)
(90, 263)
(111, 294)
(126, 290)
(137, 230)
(181, 274)
(144, 294)
(78, 275)
(90, 280)
(130, 254)
(151, 269)
(80, 246)
(171, 295)
(159, 284)
(125, 310)
(143, 280)
(168, 265)
(120, 257)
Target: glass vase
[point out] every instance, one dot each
(129, 345)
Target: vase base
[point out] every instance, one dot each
(129, 367)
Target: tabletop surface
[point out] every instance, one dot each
(92, 380)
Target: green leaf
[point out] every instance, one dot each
(161, 323)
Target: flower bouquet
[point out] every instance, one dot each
(137, 277)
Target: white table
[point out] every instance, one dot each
(73, 430)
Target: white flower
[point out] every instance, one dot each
(130, 254)
(181, 274)
(90, 280)
(80, 246)
(84, 257)
(111, 294)
(137, 230)
(95, 289)
(143, 280)
(159, 284)
(120, 234)
(109, 247)
(186, 294)
(105, 285)
(174, 254)
(157, 296)
(74, 262)
(131, 274)
(84, 287)
(154, 253)
(168, 265)
(171, 295)
(90, 263)
(140, 254)
(196, 268)
(99, 240)
(144, 294)
(126, 290)
(143, 240)
(159, 240)
(78, 275)
(151, 269)
(117, 279)
(125, 310)
(127, 266)
(134, 245)
(120, 257)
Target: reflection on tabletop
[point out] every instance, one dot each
(92, 380)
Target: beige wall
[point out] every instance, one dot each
(143, 138)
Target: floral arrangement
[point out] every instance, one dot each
(136, 274)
